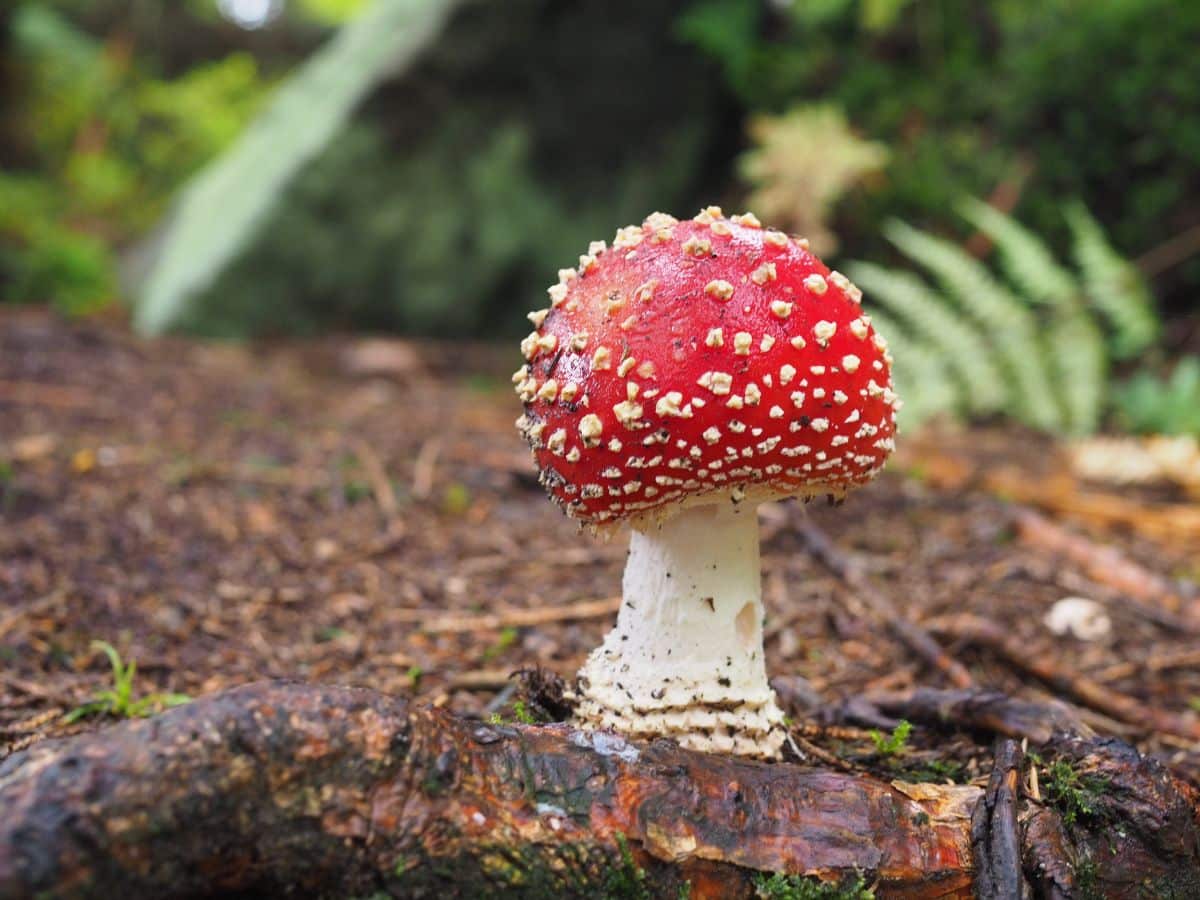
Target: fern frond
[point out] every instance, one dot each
(796, 180)
(919, 373)
(931, 321)
(1080, 362)
(1010, 322)
(1113, 285)
(1025, 257)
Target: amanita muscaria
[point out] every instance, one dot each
(680, 377)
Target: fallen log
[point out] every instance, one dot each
(336, 792)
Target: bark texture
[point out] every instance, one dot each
(281, 788)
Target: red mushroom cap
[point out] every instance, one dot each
(698, 357)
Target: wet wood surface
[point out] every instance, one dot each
(342, 792)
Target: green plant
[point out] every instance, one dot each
(800, 887)
(522, 714)
(508, 637)
(627, 880)
(1148, 404)
(1075, 796)
(801, 163)
(118, 701)
(893, 744)
(1036, 347)
(8, 488)
(414, 675)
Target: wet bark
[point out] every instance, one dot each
(994, 834)
(318, 791)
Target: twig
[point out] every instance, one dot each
(1165, 521)
(1110, 567)
(994, 836)
(1099, 697)
(31, 689)
(9, 621)
(34, 723)
(508, 618)
(909, 633)
(1170, 253)
(990, 711)
(52, 395)
(497, 702)
(1162, 662)
(802, 746)
(424, 468)
(381, 485)
(1003, 198)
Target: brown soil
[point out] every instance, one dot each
(364, 513)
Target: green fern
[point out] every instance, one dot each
(1113, 285)
(936, 325)
(1004, 317)
(1035, 346)
(1081, 369)
(916, 364)
(1075, 343)
(1027, 261)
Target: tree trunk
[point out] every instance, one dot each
(322, 791)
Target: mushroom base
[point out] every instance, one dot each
(685, 660)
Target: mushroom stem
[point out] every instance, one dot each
(685, 659)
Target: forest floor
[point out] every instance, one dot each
(363, 512)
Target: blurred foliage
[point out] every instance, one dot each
(802, 162)
(450, 215)
(105, 143)
(1037, 346)
(1150, 404)
(218, 212)
(1050, 100)
(332, 11)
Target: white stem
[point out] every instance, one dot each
(685, 659)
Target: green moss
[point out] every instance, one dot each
(1075, 796)
(627, 881)
(895, 743)
(529, 873)
(522, 714)
(937, 770)
(1087, 879)
(800, 887)
(413, 675)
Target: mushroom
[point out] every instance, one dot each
(678, 378)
